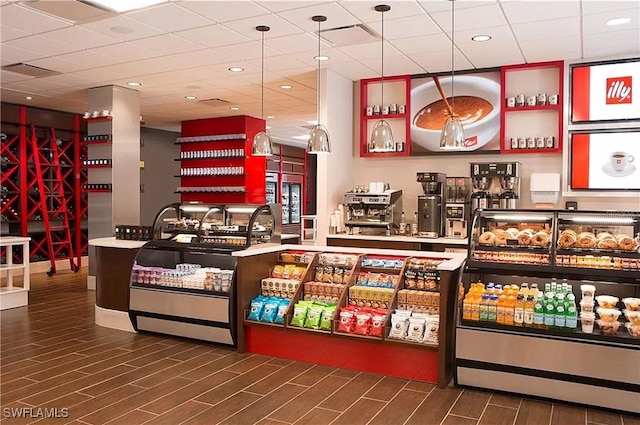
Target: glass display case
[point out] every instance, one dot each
(224, 226)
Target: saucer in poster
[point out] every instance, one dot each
(627, 171)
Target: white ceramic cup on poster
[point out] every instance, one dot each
(619, 160)
(476, 134)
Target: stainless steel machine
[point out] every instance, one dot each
(457, 207)
(431, 205)
(495, 185)
(373, 213)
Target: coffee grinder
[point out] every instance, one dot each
(431, 210)
(487, 177)
(457, 207)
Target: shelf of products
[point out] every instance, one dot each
(532, 118)
(211, 140)
(397, 99)
(582, 295)
(97, 139)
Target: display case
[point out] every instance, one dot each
(565, 328)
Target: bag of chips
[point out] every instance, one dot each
(399, 325)
(283, 305)
(346, 320)
(314, 314)
(363, 323)
(431, 330)
(327, 317)
(270, 310)
(277, 271)
(377, 323)
(256, 308)
(300, 313)
(416, 329)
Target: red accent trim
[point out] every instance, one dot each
(580, 93)
(77, 161)
(348, 352)
(580, 161)
(24, 168)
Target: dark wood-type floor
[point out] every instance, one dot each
(54, 356)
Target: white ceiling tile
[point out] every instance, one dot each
(335, 56)
(54, 63)
(422, 44)
(596, 23)
(277, 63)
(14, 54)
(213, 36)
(505, 55)
(445, 5)
(353, 70)
(87, 59)
(224, 11)
(169, 17)
(435, 62)
(279, 6)
(532, 11)
(127, 51)
(12, 77)
(566, 49)
(167, 44)
(394, 65)
(35, 85)
(8, 33)
(612, 44)
(336, 17)
(279, 27)
(98, 76)
(365, 10)
(553, 29)
(471, 18)
(21, 18)
(148, 66)
(138, 30)
(40, 44)
(74, 79)
(246, 51)
(294, 43)
(412, 26)
(601, 6)
(500, 37)
(367, 51)
(203, 57)
(81, 37)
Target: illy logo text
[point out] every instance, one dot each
(619, 90)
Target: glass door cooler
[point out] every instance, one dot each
(272, 188)
(291, 199)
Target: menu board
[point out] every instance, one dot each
(604, 91)
(605, 160)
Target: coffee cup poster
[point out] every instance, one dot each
(476, 101)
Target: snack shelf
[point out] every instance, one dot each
(533, 108)
(97, 166)
(175, 289)
(98, 142)
(212, 138)
(385, 116)
(386, 270)
(404, 342)
(100, 118)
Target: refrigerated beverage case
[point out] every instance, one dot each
(518, 311)
(484, 308)
(492, 308)
(510, 304)
(560, 312)
(538, 311)
(549, 310)
(571, 313)
(528, 311)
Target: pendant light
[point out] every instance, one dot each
(452, 135)
(319, 135)
(381, 136)
(262, 144)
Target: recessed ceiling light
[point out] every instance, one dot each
(236, 69)
(191, 97)
(28, 98)
(134, 84)
(303, 137)
(321, 57)
(617, 21)
(122, 29)
(126, 5)
(481, 38)
(286, 86)
(270, 117)
(234, 108)
(313, 122)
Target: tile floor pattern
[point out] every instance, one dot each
(54, 356)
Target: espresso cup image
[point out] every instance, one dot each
(619, 160)
(477, 102)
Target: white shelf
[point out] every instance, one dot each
(11, 267)
(14, 296)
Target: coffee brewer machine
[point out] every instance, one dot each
(457, 207)
(373, 213)
(495, 185)
(431, 205)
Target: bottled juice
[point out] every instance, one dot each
(518, 311)
(524, 289)
(534, 290)
(510, 303)
(538, 311)
(549, 310)
(502, 307)
(571, 312)
(484, 308)
(492, 308)
(466, 306)
(528, 311)
(560, 318)
(475, 307)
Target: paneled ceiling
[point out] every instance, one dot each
(186, 47)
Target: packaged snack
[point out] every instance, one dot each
(432, 324)
(362, 279)
(287, 257)
(288, 271)
(377, 262)
(327, 277)
(277, 271)
(410, 279)
(283, 305)
(346, 320)
(373, 279)
(367, 262)
(314, 314)
(327, 317)
(420, 280)
(270, 310)
(399, 325)
(297, 273)
(319, 275)
(399, 264)
(345, 277)
(363, 323)
(256, 308)
(416, 329)
(299, 314)
(377, 323)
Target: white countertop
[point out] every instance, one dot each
(112, 242)
(289, 236)
(13, 240)
(411, 239)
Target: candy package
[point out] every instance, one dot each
(256, 308)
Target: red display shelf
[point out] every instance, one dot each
(101, 118)
(538, 75)
(241, 176)
(219, 158)
(400, 96)
(97, 142)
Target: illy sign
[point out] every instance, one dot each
(619, 90)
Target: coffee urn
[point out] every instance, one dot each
(431, 206)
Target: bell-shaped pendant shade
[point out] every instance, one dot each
(262, 145)
(319, 140)
(452, 135)
(382, 137)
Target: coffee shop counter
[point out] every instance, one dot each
(109, 271)
(399, 242)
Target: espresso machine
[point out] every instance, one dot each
(495, 185)
(431, 205)
(457, 207)
(373, 213)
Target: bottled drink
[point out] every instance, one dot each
(414, 225)
(528, 311)
(549, 310)
(403, 225)
(534, 290)
(475, 307)
(560, 317)
(571, 312)
(492, 308)
(466, 306)
(502, 307)
(484, 308)
(524, 289)
(538, 311)
(510, 303)
(518, 311)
